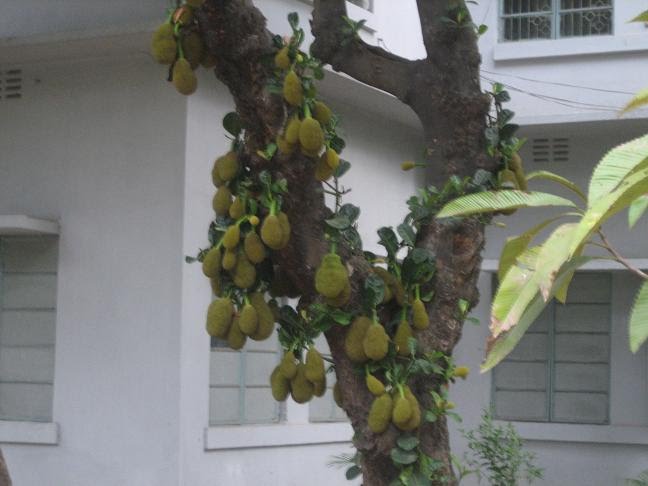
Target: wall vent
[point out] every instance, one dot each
(10, 84)
(546, 150)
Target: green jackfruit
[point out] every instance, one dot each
(323, 172)
(376, 342)
(332, 158)
(183, 77)
(292, 89)
(374, 385)
(253, 246)
(219, 317)
(237, 209)
(354, 338)
(228, 166)
(380, 414)
(216, 286)
(301, 389)
(222, 201)
(408, 165)
(244, 273)
(311, 136)
(310, 153)
(314, 366)
(402, 411)
(282, 59)
(420, 317)
(271, 232)
(337, 394)
(461, 372)
(284, 147)
(402, 337)
(235, 337)
(284, 224)
(216, 180)
(248, 320)
(287, 366)
(331, 276)
(415, 419)
(388, 279)
(508, 179)
(319, 387)
(342, 299)
(265, 315)
(192, 48)
(211, 264)
(515, 164)
(292, 130)
(322, 113)
(232, 237)
(163, 45)
(280, 385)
(229, 260)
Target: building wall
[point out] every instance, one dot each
(99, 146)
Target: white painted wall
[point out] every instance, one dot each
(99, 146)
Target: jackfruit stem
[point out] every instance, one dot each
(401, 392)
(417, 292)
(404, 313)
(246, 299)
(334, 247)
(307, 111)
(273, 207)
(375, 317)
(176, 31)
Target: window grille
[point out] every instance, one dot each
(552, 19)
(560, 370)
(28, 269)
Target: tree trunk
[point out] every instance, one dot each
(444, 91)
(5, 479)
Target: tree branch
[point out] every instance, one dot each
(369, 64)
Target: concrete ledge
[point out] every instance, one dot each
(280, 435)
(555, 48)
(600, 434)
(44, 433)
(18, 224)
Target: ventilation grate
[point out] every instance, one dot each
(10, 84)
(546, 150)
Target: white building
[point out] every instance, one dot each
(106, 374)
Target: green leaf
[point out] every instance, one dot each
(374, 291)
(353, 472)
(499, 347)
(481, 30)
(615, 166)
(339, 222)
(400, 456)
(407, 234)
(350, 211)
(636, 210)
(642, 17)
(407, 443)
(553, 254)
(293, 20)
(232, 123)
(388, 240)
(639, 319)
(418, 266)
(637, 101)
(550, 176)
(491, 201)
(342, 168)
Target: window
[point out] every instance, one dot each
(365, 4)
(560, 370)
(552, 19)
(239, 384)
(28, 267)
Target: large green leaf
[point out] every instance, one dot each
(491, 201)
(633, 186)
(500, 346)
(639, 319)
(615, 166)
(637, 101)
(552, 256)
(642, 17)
(636, 209)
(550, 176)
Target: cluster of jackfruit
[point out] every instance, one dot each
(275, 230)
(366, 340)
(399, 406)
(254, 319)
(332, 280)
(178, 44)
(301, 380)
(394, 289)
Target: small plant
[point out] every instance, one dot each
(496, 453)
(641, 480)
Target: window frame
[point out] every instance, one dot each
(555, 18)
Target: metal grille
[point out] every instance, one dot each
(550, 19)
(546, 150)
(10, 84)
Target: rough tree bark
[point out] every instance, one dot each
(443, 89)
(5, 480)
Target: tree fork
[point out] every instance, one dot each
(444, 91)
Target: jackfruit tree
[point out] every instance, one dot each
(391, 320)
